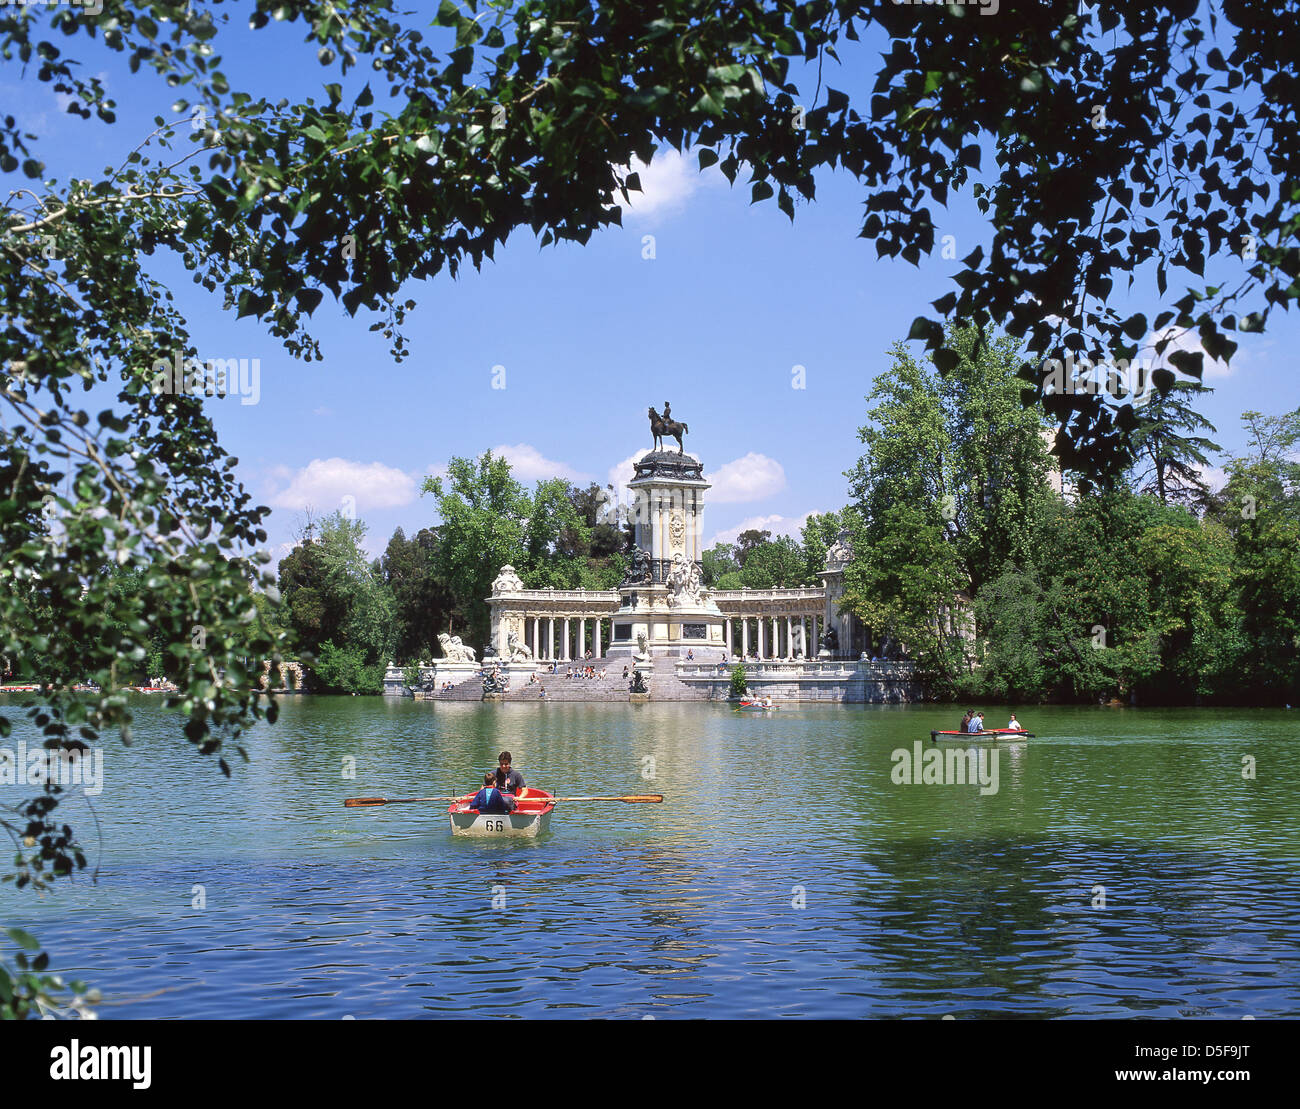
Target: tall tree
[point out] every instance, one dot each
(1173, 454)
(961, 453)
(423, 606)
(747, 542)
(485, 514)
(777, 564)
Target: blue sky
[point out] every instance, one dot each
(733, 300)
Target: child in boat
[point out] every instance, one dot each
(490, 799)
(509, 780)
(1014, 725)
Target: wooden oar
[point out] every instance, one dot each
(358, 802)
(636, 799)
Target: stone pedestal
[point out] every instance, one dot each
(638, 698)
(494, 696)
(663, 597)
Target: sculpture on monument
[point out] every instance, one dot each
(831, 640)
(841, 551)
(642, 647)
(453, 650)
(519, 652)
(494, 681)
(638, 682)
(639, 568)
(683, 582)
(662, 425)
(507, 581)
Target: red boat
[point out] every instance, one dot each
(996, 733)
(529, 819)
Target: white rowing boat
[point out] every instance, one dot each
(531, 818)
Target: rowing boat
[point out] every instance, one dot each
(755, 706)
(529, 819)
(996, 733)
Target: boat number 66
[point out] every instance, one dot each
(495, 825)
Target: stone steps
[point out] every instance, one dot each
(613, 687)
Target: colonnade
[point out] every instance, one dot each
(565, 638)
(771, 637)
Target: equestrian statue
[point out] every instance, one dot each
(665, 425)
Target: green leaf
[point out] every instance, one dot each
(25, 940)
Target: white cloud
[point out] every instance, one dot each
(324, 483)
(1213, 477)
(623, 472)
(777, 525)
(667, 183)
(750, 478)
(1188, 340)
(527, 463)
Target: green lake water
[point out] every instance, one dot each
(1123, 866)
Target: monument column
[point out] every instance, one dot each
(762, 647)
(744, 638)
(551, 644)
(598, 654)
(566, 640)
(789, 637)
(537, 638)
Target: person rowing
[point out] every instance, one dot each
(964, 726)
(491, 799)
(512, 780)
(1014, 725)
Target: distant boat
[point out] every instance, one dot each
(996, 733)
(755, 706)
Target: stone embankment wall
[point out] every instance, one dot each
(816, 681)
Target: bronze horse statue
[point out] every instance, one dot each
(661, 426)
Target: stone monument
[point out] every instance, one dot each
(665, 610)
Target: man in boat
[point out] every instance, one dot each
(512, 779)
(977, 723)
(490, 799)
(964, 726)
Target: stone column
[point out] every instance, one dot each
(762, 647)
(744, 638)
(726, 634)
(789, 637)
(551, 644)
(582, 636)
(537, 637)
(565, 647)
(598, 622)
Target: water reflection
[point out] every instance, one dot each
(786, 874)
